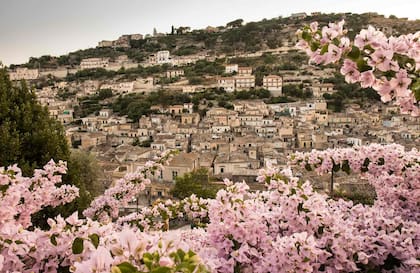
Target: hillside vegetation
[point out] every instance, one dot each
(231, 39)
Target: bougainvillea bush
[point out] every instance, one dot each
(289, 227)
(390, 65)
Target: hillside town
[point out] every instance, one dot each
(231, 140)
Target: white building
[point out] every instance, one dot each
(106, 113)
(174, 73)
(163, 57)
(230, 68)
(120, 87)
(354, 141)
(136, 36)
(89, 87)
(227, 83)
(244, 70)
(244, 82)
(274, 84)
(94, 63)
(298, 15)
(105, 43)
(322, 88)
(24, 74)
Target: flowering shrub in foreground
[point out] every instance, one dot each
(391, 66)
(287, 228)
(79, 245)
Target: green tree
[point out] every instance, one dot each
(85, 173)
(235, 23)
(104, 94)
(28, 135)
(30, 138)
(196, 182)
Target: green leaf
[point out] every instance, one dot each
(127, 267)
(324, 49)
(161, 269)
(345, 166)
(368, 48)
(95, 239)
(314, 45)
(181, 254)
(336, 167)
(77, 246)
(115, 269)
(3, 188)
(415, 87)
(306, 36)
(354, 54)
(148, 260)
(53, 239)
(362, 65)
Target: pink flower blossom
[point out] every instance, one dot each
(349, 70)
(384, 89)
(382, 59)
(314, 26)
(166, 261)
(400, 84)
(367, 79)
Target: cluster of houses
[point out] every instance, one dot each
(228, 142)
(243, 79)
(234, 143)
(122, 61)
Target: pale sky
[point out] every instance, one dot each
(55, 27)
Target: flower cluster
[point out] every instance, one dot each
(389, 65)
(392, 171)
(81, 245)
(287, 228)
(157, 217)
(23, 196)
(105, 208)
(20, 197)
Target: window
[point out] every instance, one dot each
(159, 193)
(222, 169)
(174, 174)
